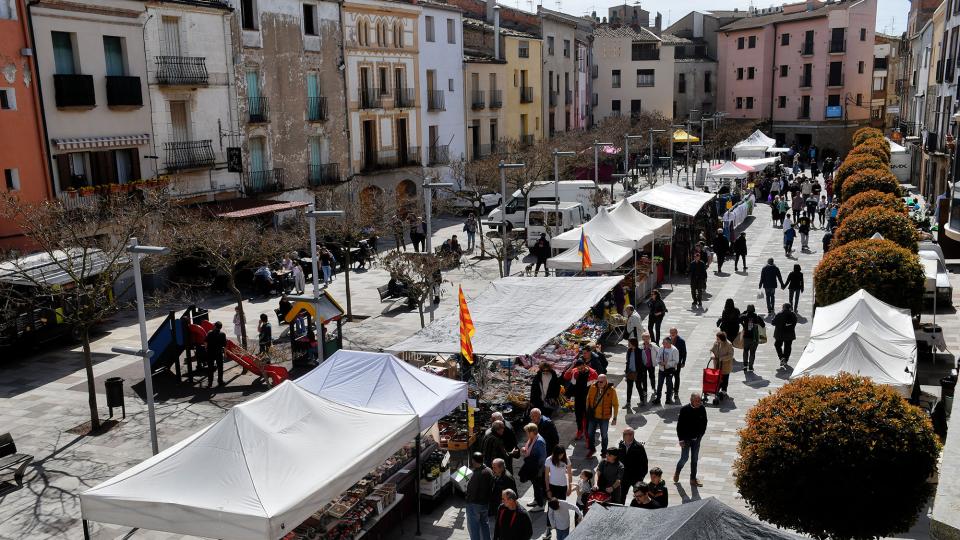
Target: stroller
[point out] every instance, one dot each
(711, 383)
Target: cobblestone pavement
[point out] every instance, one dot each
(43, 395)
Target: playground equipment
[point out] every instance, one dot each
(300, 343)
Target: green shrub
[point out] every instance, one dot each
(861, 225)
(882, 268)
(870, 198)
(863, 134)
(805, 448)
(871, 180)
(851, 165)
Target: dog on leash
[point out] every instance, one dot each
(528, 270)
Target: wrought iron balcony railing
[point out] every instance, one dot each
(182, 70)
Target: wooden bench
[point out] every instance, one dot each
(11, 460)
(384, 292)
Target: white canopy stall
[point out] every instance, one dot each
(604, 226)
(625, 214)
(260, 471)
(759, 163)
(865, 336)
(754, 146)
(730, 169)
(605, 256)
(673, 197)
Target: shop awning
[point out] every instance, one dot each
(730, 169)
(383, 382)
(59, 267)
(90, 143)
(257, 473)
(604, 226)
(624, 213)
(675, 198)
(681, 136)
(269, 208)
(604, 256)
(514, 316)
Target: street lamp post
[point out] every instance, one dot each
(136, 251)
(556, 186)
(312, 215)
(503, 166)
(650, 171)
(626, 152)
(428, 188)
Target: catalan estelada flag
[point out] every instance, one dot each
(584, 251)
(466, 329)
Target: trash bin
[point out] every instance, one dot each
(114, 388)
(948, 386)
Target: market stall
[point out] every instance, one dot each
(690, 213)
(603, 225)
(754, 146)
(605, 256)
(254, 474)
(865, 336)
(734, 217)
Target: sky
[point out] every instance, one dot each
(891, 14)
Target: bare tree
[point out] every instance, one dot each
(79, 260)
(419, 273)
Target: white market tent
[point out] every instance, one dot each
(627, 216)
(261, 470)
(603, 226)
(759, 163)
(605, 256)
(865, 336)
(514, 316)
(383, 382)
(675, 198)
(729, 170)
(754, 146)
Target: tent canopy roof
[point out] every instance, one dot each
(756, 141)
(514, 316)
(758, 163)
(255, 474)
(58, 267)
(681, 136)
(604, 226)
(673, 197)
(383, 382)
(604, 256)
(730, 169)
(624, 213)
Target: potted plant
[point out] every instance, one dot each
(72, 193)
(86, 191)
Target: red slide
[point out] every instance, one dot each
(273, 375)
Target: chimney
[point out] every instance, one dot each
(658, 20)
(496, 31)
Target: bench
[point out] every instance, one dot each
(11, 460)
(384, 292)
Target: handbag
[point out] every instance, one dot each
(738, 341)
(759, 295)
(763, 335)
(631, 375)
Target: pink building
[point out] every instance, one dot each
(805, 68)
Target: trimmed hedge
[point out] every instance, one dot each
(851, 165)
(803, 446)
(873, 149)
(882, 268)
(861, 225)
(865, 133)
(870, 198)
(871, 179)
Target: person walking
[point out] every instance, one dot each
(721, 247)
(470, 227)
(667, 360)
(264, 334)
(691, 426)
(751, 324)
(680, 345)
(634, 458)
(784, 333)
(634, 322)
(558, 517)
(775, 211)
(326, 265)
(541, 250)
(698, 281)
(827, 238)
(478, 498)
(239, 322)
(794, 284)
(648, 365)
(729, 321)
(783, 208)
(545, 427)
(534, 454)
(610, 474)
(787, 222)
(513, 522)
(502, 479)
(602, 408)
(632, 369)
(557, 474)
(722, 355)
(580, 376)
(789, 233)
(740, 252)
(499, 443)
(803, 226)
(545, 389)
(770, 279)
(658, 310)
(216, 343)
(418, 234)
(822, 210)
(299, 280)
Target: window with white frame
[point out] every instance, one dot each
(451, 31)
(645, 77)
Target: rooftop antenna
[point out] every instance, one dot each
(558, 5)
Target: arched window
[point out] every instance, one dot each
(363, 32)
(381, 35)
(398, 35)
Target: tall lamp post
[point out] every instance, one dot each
(136, 251)
(650, 171)
(312, 215)
(428, 188)
(556, 186)
(503, 166)
(626, 152)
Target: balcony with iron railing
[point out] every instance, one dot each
(324, 174)
(526, 140)
(835, 80)
(378, 160)
(806, 81)
(404, 98)
(496, 99)
(438, 154)
(526, 94)
(266, 181)
(182, 71)
(838, 46)
(803, 112)
(124, 91)
(807, 49)
(74, 91)
(184, 155)
(435, 100)
(553, 98)
(258, 109)
(477, 100)
(370, 98)
(316, 109)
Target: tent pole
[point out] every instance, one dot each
(416, 482)
(86, 530)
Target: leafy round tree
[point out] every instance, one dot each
(871, 148)
(882, 268)
(894, 226)
(808, 444)
(870, 198)
(871, 180)
(851, 165)
(863, 134)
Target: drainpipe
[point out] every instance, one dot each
(346, 100)
(153, 134)
(773, 76)
(42, 109)
(496, 32)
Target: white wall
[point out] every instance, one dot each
(447, 60)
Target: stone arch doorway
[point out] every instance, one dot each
(406, 193)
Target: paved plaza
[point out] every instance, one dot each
(43, 396)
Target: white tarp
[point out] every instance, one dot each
(257, 473)
(729, 170)
(627, 216)
(604, 256)
(759, 163)
(58, 267)
(864, 336)
(603, 226)
(673, 197)
(514, 316)
(383, 382)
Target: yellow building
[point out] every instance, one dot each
(485, 78)
(523, 94)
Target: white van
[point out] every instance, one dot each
(570, 191)
(542, 219)
(937, 282)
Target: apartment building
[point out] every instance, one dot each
(192, 96)
(884, 101)
(635, 71)
(937, 108)
(805, 68)
(440, 43)
(559, 70)
(485, 76)
(523, 89)
(23, 163)
(92, 71)
(384, 97)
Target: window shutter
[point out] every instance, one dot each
(135, 164)
(63, 171)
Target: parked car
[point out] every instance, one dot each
(480, 202)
